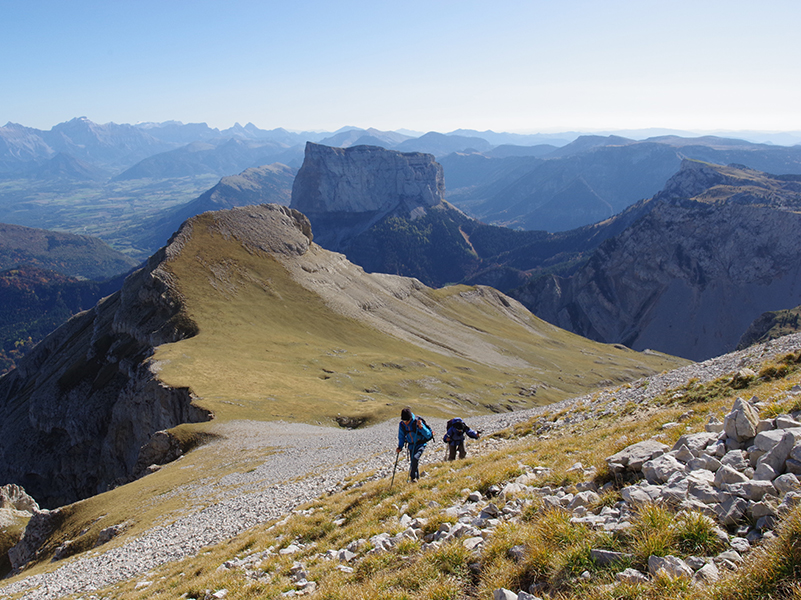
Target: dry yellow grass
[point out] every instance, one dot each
(558, 550)
(271, 348)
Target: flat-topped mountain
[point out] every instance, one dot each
(366, 179)
(241, 316)
(718, 247)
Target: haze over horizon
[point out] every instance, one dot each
(519, 66)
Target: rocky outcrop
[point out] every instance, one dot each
(770, 325)
(743, 472)
(365, 179)
(718, 248)
(80, 406)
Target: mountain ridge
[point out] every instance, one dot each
(714, 251)
(242, 316)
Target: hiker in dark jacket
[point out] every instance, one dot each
(454, 437)
(414, 433)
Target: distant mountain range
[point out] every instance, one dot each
(713, 251)
(262, 185)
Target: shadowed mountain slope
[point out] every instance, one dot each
(718, 247)
(771, 325)
(34, 302)
(66, 253)
(242, 316)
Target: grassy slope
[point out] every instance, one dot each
(557, 551)
(269, 348)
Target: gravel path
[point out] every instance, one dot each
(326, 456)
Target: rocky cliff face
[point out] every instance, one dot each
(719, 247)
(80, 406)
(363, 179)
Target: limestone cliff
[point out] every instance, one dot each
(364, 179)
(719, 247)
(79, 407)
(384, 210)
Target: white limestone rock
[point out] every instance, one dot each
(631, 576)
(660, 469)
(633, 457)
(741, 423)
(669, 565)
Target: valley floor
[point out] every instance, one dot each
(302, 463)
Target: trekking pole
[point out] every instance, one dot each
(397, 456)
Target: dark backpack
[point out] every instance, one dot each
(425, 433)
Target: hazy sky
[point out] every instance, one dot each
(421, 65)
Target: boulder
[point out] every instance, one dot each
(741, 423)
(731, 510)
(736, 459)
(750, 490)
(633, 457)
(669, 565)
(683, 454)
(706, 462)
(765, 425)
(714, 425)
(764, 472)
(787, 422)
(786, 483)
(640, 494)
(584, 499)
(709, 573)
(696, 442)
(726, 475)
(608, 557)
(631, 576)
(766, 440)
(778, 455)
(704, 492)
(661, 468)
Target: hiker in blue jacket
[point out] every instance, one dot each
(454, 437)
(415, 433)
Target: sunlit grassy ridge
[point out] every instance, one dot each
(556, 550)
(271, 347)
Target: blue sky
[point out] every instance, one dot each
(421, 65)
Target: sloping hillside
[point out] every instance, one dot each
(309, 336)
(258, 185)
(243, 317)
(71, 255)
